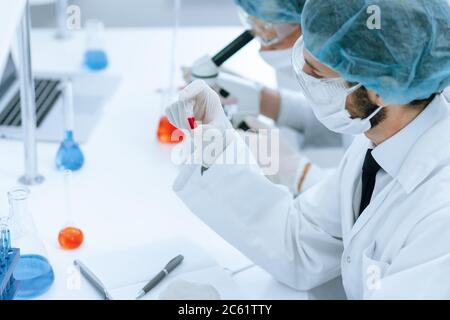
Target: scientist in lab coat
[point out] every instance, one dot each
(276, 25)
(382, 219)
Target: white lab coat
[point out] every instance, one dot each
(398, 248)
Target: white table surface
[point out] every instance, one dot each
(123, 195)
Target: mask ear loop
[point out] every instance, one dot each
(374, 114)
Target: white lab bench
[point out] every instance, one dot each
(123, 195)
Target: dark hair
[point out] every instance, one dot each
(423, 102)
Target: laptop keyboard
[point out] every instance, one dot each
(47, 92)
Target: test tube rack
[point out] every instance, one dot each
(8, 285)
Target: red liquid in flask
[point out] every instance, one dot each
(167, 133)
(70, 238)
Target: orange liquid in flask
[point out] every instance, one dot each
(167, 133)
(70, 238)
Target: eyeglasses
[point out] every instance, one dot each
(267, 33)
(321, 91)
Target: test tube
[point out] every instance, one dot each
(5, 243)
(5, 236)
(190, 115)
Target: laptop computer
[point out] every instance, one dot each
(91, 92)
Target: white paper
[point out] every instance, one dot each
(214, 276)
(125, 273)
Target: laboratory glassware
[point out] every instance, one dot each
(166, 132)
(190, 115)
(69, 155)
(62, 31)
(28, 101)
(9, 258)
(70, 237)
(5, 234)
(95, 57)
(33, 269)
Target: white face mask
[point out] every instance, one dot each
(340, 120)
(280, 60)
(328, 98)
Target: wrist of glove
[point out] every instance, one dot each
(293, 170)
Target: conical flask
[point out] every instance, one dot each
(33, 270)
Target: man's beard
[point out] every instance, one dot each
(360, 106)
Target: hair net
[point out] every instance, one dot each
(405, 58)
(277, 11)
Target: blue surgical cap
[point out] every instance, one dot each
(398, 48)
(276, 11)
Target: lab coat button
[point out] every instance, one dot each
(349, 260)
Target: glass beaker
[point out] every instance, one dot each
(33, 270)
(95, 57)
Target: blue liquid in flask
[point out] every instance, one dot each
(96, 59)
(69, 156)
(35, 275)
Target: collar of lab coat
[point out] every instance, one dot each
(411, 154)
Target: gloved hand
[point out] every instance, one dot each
(205, 104)
(295, 171)
(200, 100)
(245, 93)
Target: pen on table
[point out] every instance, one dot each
(92, 279)
(171, 265)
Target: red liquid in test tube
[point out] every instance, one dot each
(191, 117)
(192, 123)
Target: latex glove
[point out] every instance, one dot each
(295, 171)
(203, 102)
(246, 94)
(184, 290)
(243, 93)
(200, 100)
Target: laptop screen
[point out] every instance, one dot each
(8, 77)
